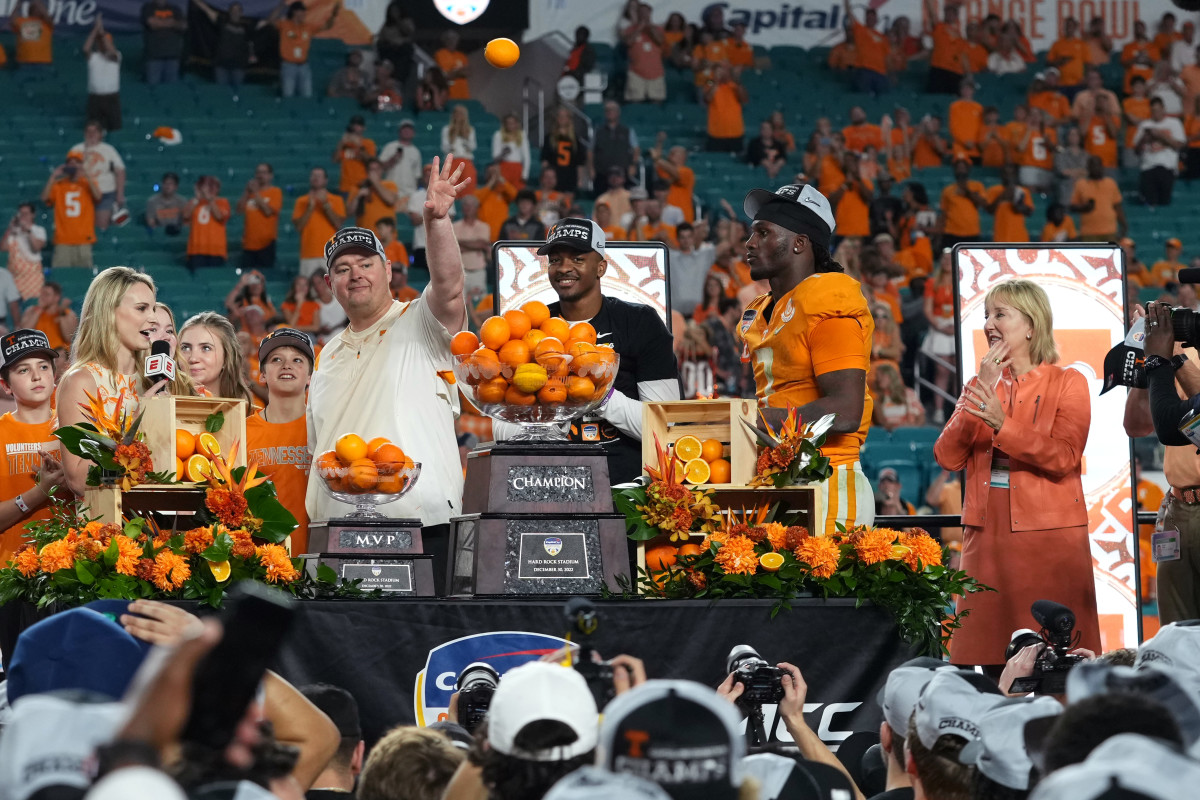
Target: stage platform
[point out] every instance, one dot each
(377, 649)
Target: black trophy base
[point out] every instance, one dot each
(537, 478)
(356, 536)
(396, 576)
(498, 555)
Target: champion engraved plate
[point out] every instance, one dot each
(376, 541)
(388, 577)
(550, 484)
(550, 556)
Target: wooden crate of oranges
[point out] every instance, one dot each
(176, 435)
(707, 435)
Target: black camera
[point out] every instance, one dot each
(583, 620)
(71, 170)
(1055, 659)
(476, 684)
(1185, 325)
(761, 682)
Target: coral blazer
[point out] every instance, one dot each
(1048, 413)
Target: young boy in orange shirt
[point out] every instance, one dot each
(30, 467)
(278, 434)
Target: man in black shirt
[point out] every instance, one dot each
(648, 370)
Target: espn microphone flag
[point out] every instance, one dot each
(159, 363)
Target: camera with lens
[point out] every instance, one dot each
(761, 682)
(475, 686)
(1055, 660)
(583, 620)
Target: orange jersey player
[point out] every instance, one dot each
(809, 340)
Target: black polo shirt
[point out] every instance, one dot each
(638, 335)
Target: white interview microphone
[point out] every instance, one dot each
(159, 364)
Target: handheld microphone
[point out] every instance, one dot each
(1188, 275)
(159, 364)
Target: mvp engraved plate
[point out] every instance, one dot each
(375, 541)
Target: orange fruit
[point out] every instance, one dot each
(548, 344)
(575, 347)
(388, 457)
(553, 392)
(390, 484)
(375, 444)
(537, 311)
(463, 343)
(179, 469)
(485, 363)
(697, 471)
(185, 444)
(556, 327)
(197, 468)
(515, 397)
(721, 470)
(771, 562)
(494, 332)
(661, 557)
(207, 445)
(514, 353)
(532, 338)
(518, 323)
(690, 550)
(583, 332)
(220, 570)
(579, 389)
(711, 450)
(350, 447)
(688, 447)
(363, 475)
(492, 390)
(329, 465)
(587, 364)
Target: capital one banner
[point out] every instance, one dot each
(818, 23)
(1087, 299)
(357, 22)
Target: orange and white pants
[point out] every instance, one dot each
(846, 498)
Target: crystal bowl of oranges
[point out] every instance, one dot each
(535, 370)
(366, 473)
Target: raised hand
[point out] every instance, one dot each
(444, 188)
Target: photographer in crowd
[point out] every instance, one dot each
(1171, 375)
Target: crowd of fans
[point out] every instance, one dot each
(125, 725)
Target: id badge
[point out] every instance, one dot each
(1164, 546)
(1000, 470)
(1189, 426)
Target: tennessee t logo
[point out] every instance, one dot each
(636, 739)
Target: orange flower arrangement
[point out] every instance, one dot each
(115, 444)
(875, 546)
(737, 556)
(243, 544)
(921, 550)
(279, 565)
(27, 561)
(171, 571)
(821, 554)
(57, 555)
(129, 552)
(197, 540)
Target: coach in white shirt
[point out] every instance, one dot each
(386, 373)
(402, 160)
(1158, 141)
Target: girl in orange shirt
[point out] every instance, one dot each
(1035, 153)
(250, 290)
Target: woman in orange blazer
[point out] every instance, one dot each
(1019, 430)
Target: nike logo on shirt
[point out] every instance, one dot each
(602, 335)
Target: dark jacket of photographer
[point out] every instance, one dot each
(1044, 437)
(1167, 408)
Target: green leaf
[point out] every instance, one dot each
(278, 522)
(326, 574)
(214, 422)
(220, 550)
(110, 555)
(84, 574)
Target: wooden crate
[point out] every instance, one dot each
(164, 414)
(705, 419)
(801, 500)
(110, 504)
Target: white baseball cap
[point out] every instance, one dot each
(537, 692)
(1176, 645)
(1000, 752)
(904, 685)
(1124, 766)
(953, 702)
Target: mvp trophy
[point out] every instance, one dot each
(537, 509)
(387, 554)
